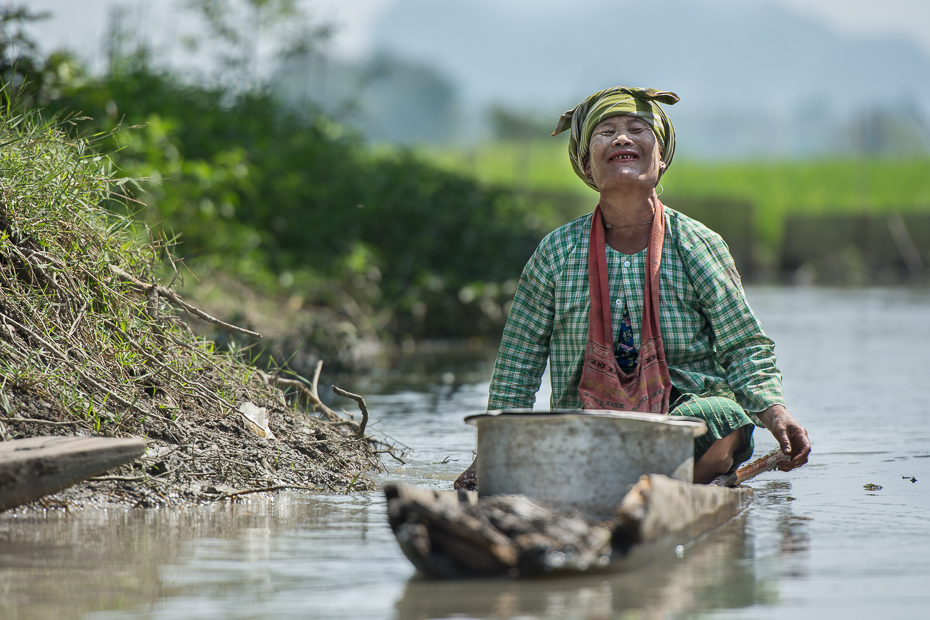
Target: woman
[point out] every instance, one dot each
(638, 307)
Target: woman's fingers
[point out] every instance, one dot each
(791, 436)
(798, 444)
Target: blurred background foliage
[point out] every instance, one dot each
(286, 199)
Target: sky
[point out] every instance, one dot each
(909, 19)
(80, 25)
(795, 73)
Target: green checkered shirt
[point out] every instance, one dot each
(714, 345)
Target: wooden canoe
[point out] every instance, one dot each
(453, 534)
(37, 466)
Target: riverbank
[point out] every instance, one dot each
(92, 344)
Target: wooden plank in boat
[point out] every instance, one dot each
(37, 466)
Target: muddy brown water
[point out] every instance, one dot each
(815, 543)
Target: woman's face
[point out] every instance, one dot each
(623, 150)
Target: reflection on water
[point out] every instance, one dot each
(710, 575)
(63, 564)
(814, 543)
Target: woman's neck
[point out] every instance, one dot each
(627, 220)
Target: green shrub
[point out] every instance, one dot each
(290, 200)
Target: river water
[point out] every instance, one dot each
(814, 544)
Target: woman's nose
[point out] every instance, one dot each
(622, 138)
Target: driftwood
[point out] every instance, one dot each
(34, 467)
(454, 534)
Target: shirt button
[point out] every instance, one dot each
(618, 303)
(626, 263)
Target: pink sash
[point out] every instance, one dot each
(603, 385)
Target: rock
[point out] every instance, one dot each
(256, 419)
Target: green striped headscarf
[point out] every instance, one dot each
(639, 102)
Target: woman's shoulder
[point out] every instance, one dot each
(691, 234)
(565, 238)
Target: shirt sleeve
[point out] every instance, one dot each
(524, 348)
(741, 347)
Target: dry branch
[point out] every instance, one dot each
(278, 487)
(361, 405)
(46, 422)
(174, 297)
(304, 390)
(316, 377)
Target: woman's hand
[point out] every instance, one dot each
(791, 436)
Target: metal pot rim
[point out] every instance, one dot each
(698, 426)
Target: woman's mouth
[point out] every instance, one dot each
(622, 156)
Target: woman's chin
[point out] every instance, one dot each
(628, 181)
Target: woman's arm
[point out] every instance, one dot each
(741, 347)
(524, 348)
(743, 350)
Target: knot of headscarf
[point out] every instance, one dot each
(639, 102)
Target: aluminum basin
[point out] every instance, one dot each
(580, 459)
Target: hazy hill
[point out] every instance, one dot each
(754, 78)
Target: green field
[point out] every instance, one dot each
(775, 188)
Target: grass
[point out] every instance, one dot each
(89, 342)
(776, 188)
(81, 320)
(57, 294)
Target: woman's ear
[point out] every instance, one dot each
(587, 166)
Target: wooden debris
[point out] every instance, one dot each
(452, 534)
(34, 467)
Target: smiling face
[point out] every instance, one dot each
(623, 150)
